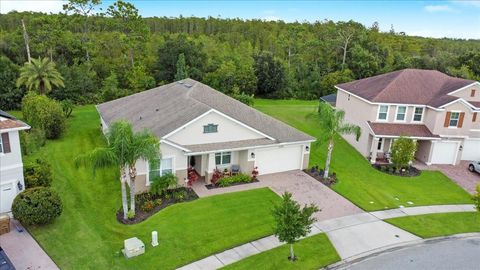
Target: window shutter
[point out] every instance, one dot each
(474, 118)
(6, 143)
(472, 94)
(447, 119)
(460, 121)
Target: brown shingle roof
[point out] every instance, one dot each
(166, 108)
(9, 123)
(407, 86)
(409, 130)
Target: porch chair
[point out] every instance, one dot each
(235, 169)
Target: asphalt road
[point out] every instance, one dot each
(458, 254)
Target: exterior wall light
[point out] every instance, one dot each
(20, 186)
(252, 155)
(307, 148)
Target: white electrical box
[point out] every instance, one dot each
(133, 247)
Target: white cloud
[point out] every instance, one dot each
(438, 8)
(474, 3)
(46, 6)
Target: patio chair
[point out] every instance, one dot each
(235, 169)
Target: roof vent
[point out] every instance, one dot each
(180, 82)
(140, 118)
(156, 109)
(187, 85)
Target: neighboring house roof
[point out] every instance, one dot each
(166, 108)
(228, 145)
(8, 121)
(408, 86)
(396, 130)
(332, 99)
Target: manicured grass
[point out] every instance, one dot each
(433, 225)
(359, 182)
(88, 236)
(313, 253)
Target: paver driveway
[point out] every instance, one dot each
(304, 189)
(458, 173)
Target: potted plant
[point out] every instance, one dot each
(255, 173)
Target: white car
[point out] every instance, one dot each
(474, 166)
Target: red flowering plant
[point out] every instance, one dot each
(192, 176)
(255, 173)
(216, 176)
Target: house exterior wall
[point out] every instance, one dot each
(466, 93)
(11, 167)
(228, 130)
(424, 151)
(437, 121)
(357, 112)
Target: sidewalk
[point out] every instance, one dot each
(350, 235)
(24, 252)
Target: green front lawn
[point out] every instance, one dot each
(443, 224)
(359, 182)
(88, 236)
(313, 252)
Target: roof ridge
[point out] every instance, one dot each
(393, 80)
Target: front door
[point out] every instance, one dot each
(7, 194)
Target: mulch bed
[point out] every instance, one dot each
(141, 215)
(212, 186)
(319, 177)
(406, 172)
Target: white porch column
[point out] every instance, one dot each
(374, 150)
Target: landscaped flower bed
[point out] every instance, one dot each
(148, 204)
(392, 170)
(234, 180)
(317, 173)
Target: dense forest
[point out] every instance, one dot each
(104, 56)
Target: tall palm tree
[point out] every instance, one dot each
(40, 75)
(124, 148)
(332, 122)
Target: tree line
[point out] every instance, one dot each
(103, 56)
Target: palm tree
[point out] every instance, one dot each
(332, 122)
(124, 148)
(40, 75)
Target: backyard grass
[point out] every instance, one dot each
(368, 188)
(313, 252)
(433, 225)
(88, 236)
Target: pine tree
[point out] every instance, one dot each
(181, 68)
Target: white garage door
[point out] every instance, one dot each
(444, 152)
(278, 159)
(7, 194)
(471, 150)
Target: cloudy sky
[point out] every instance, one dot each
(455, 19)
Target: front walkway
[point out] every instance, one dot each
(24, 252)
(304, 188)
(352, 236)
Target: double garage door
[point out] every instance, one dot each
(278, 159)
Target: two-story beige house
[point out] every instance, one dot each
(437, 110)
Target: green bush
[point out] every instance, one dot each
(158, 202)
(160, 184)
(44, 113)
(38, 173)
(239, 178)
(37, 206)
(32, 140)
(244, 98)
(180, 195)
(476, 198)
(403, 152)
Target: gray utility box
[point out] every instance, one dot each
(133, 247)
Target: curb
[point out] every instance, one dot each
(343, 264)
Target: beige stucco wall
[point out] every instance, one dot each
(228, 131)
(306, 160)
(437, 120)
(357, 112)
(423, 151)
(465, 93)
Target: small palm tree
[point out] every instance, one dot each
(40, 75)
(123, 150)
(332, 122)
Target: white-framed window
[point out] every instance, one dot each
(223, 158)
(454, 117)
(162, 167)
(418, 114)
(382, 113)
(1, 144)
(401, 113)
(210, 128)
(380, 144)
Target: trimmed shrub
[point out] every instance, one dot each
(38, 173)
(32, 140)
(44, 113)
(148, 206)
(180, 195)
(160, 184)
(37, 206)
(239, 178)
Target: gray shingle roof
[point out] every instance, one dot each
(166, 108)
(227, 145)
